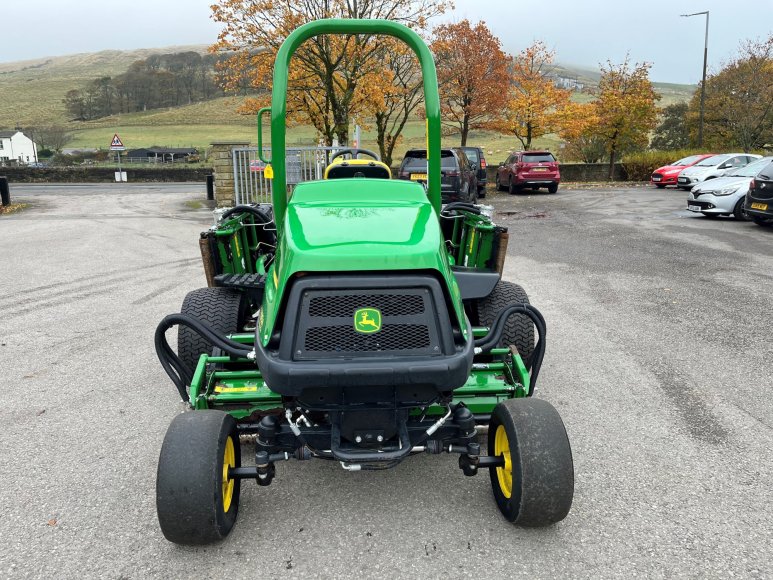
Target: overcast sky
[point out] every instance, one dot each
(583, 32)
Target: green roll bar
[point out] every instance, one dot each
(279, 99)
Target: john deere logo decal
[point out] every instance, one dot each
(367, 320)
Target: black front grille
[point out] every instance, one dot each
(325, 326)
(333, 306)
(391, 337)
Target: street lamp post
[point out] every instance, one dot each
(703, 84)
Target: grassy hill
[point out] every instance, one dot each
(32, 94)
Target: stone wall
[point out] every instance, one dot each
(103, 174)
(223, 166)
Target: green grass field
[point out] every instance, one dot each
(33, 92)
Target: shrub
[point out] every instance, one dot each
(639, 166)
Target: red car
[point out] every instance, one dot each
(532, 169)
(667, 174)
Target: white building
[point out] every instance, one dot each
(16, 147)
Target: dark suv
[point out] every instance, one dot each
(533, 169)
(458, 181)
(477, 158)
(759, 200)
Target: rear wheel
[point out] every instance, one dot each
(223, 309)
(535, 486)
(553, 188)
(498, 184)
(519, 329)
(512, 188)
(739, 212)
(197, 500)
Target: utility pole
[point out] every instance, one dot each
(703, 83)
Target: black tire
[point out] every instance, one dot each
(762, 221)
(223, 309)
(519, 329)
(739, 212)
(499, 185)
(660, 186)
(191, 493)
(512, 188)
(482, 192)
(553, 188)
(540, 470)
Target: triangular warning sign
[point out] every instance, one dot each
(116, 141)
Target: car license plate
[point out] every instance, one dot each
(419, 176)
(693, 207)
(540, 169)
(682, 180)
(762, 206)
(656, 179)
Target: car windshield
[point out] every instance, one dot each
(712, 161)
(447, 161)
(538, 158)
(687, 160)
(752, 169)
(472, 154)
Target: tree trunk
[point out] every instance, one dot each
(528, 136)
(612, 153)
(465, 130)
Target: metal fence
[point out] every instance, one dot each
(303, 164)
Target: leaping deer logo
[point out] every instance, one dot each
(367, 320)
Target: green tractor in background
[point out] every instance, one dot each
(361, 322)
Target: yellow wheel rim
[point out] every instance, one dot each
(229, 461)
(504, 473)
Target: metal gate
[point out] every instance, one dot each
(303, 164)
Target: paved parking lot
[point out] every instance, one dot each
(660, 358)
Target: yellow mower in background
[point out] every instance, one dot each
(341, 168)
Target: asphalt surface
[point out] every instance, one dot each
(659, 359)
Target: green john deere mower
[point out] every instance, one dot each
(362, 322)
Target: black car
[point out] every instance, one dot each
(476, 157)
(759, 200)
(458, 181)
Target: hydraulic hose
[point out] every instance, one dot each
(486, 343)
(171, 363)
(461, 206)
(262, 216)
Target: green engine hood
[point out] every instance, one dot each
(360, 224)
(347, 225)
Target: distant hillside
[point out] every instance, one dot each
(31, 94)
(33, 90)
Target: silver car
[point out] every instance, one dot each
(713, 167)
(725, 195)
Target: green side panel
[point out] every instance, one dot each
(357, 225)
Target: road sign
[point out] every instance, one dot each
(116, 144)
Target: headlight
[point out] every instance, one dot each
(726, 191)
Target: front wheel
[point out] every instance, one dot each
(660, 186)
(197, 500)
(535, 486)
(739, 212)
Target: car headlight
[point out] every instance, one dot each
(726, 191)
